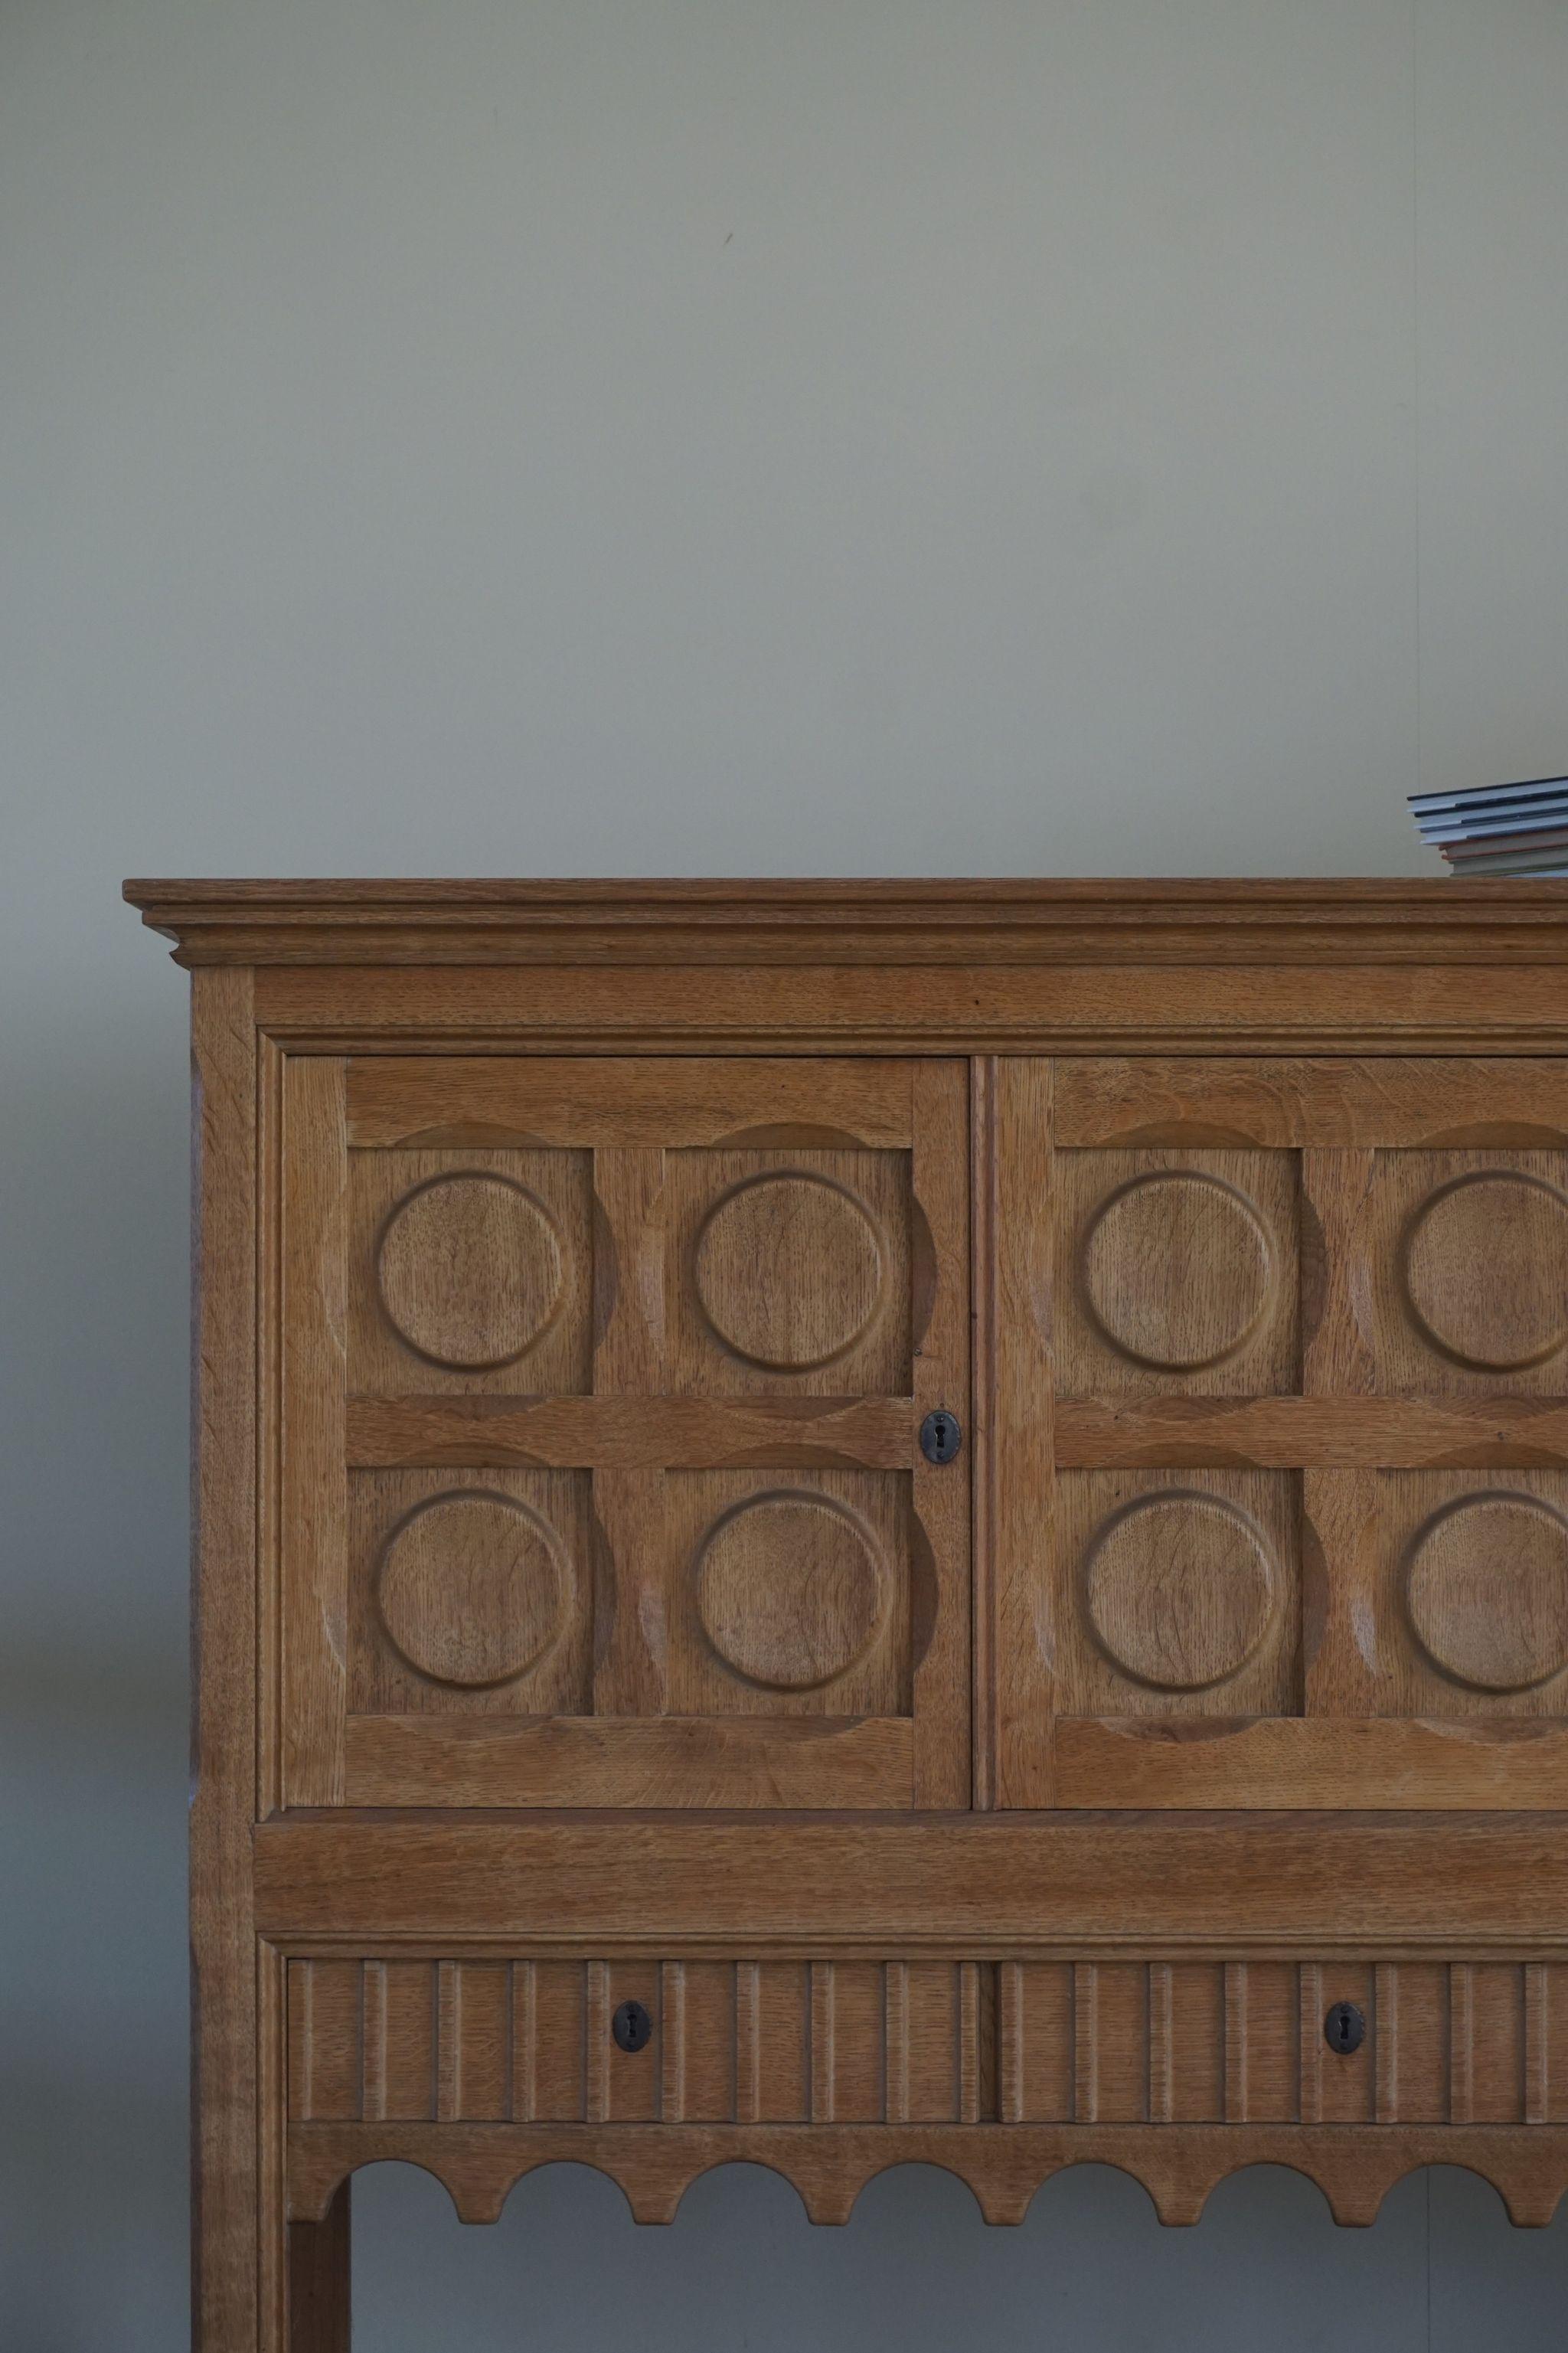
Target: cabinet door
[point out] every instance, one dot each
(1280, 1479)
(601, 1385)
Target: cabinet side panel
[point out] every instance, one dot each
(225, 2297)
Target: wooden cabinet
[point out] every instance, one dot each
(847, 1523)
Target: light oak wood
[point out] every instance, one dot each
(469, 1271)
(581, 1620)
(1083, 2040)
(984, 1483)
(1004, 2165)
(1023, 1405)
(1285, 1433)
(1467, 1881)
(1308, 1105)
(1338, 1344)
(514, 1310)
(471, 1589)
(314, 1511)
(628, 1760)
(319, 2281)
(1192, 1761)
(628, 1105)
(834, 1008)
(666, 1282)
(1177, 1597)
(232, 2199)
(651, 1431)
(1446, 1590)
(892, 922)
(470, 1595)
(631, 1629)
(940, 1496)
(1175, 1269)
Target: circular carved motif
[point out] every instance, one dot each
(1179, 1588)
(469, 1270)
(1177, 1270)
(472, 1589)
(1487, 1592)
(791, 1590)
(1485, 1265)
(789, 1271)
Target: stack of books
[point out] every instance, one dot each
(1499, 829)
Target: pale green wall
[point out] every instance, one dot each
(491, 437)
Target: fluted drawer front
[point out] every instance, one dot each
(942, 2042)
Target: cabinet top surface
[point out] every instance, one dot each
(398, 921)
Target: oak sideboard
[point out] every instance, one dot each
(846, 1523)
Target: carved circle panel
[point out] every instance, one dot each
(1484, 1267)
(1487, 1592)
(472, 1589)
(790, 1589)
(1180, 1590)
(469, 1270)
(1177, 1270)
(789, 1271)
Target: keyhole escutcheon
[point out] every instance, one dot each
(632, 2027)
(940, 1436)
(1344, 2028)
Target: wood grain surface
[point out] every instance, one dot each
(1355, 2165)
(232, 2204)
(579, 1619)
(895, 923)
(978, 1884)
(1079, 2040)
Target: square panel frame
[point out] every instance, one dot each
(1366, 1133)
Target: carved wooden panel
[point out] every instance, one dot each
(1466, 1259)
(1171, 1591)
(1177, 1270)
(1081, 2040)
(795, 1275)
(600, 1401)
(471, 1597)
(470, 1270)
(800, 1593)
(1304, 1329)
(1444, 1593)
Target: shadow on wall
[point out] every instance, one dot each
(93, 1383)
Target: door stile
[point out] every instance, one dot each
(940, 1490)
(1021, 1479)
(313, 1530)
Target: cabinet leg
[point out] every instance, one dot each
(319, 2281)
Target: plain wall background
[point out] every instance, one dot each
(577, 436)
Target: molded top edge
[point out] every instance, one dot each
(414, 921)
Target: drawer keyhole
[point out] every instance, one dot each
(1344, 2029)
(940, 1436)
(632, 2027)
